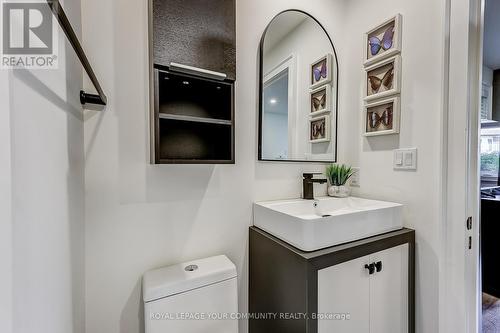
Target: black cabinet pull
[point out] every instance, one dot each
(370, 268)
(378, 266)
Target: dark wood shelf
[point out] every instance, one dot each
(195, 119)
(195, 142)
(196, 161)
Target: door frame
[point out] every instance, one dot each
(290, 64)
(459, 277)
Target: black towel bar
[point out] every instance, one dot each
(58, 11)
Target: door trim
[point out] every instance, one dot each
(460, 176)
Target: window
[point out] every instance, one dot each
(484, 107)
(486, 102)
(490, 156)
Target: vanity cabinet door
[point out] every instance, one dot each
(375, 303)
(344, 289)
(389, 291)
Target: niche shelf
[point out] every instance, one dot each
(193, 118)
(192, 47)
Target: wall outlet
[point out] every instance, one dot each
(355, 178)
(405, 159)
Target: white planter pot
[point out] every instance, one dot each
(339, 191)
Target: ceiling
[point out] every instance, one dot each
(491, 49)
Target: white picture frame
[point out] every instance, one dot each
(380, 70)
(328, 61)
(378, 107)
(378, 32)
(328, 103)
(327, 129)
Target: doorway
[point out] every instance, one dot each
(489, 157)
(279, 110)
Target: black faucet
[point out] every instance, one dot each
(308, 185)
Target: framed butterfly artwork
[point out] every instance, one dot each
(319, 129)
(321, 100)
(321, 71)
(383, 78)
(382, 117)
(383, 41)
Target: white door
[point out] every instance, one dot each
(344, 290)
(389, 291)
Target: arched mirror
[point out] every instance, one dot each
(298, 91)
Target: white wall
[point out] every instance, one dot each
(46, 133)
(5, 209)
(140, 216)
(421, 100)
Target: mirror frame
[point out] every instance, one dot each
(261, 90)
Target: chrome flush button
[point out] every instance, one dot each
(191, 268)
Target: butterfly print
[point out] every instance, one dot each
(375, 120)
(318, 130)
(386, 81)
(386, 43)
(318, 103)
(320, 72)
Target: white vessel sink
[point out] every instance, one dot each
(315, 224)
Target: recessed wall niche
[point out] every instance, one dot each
(193, 69)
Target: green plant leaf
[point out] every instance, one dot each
(338, 175)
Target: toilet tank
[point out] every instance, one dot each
(199, 296)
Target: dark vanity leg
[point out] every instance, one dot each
(411, 283)
(278, 285)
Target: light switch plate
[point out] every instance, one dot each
(398, 159)
(405, 159)
(355, 178)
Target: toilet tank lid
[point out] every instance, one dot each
(176, 279)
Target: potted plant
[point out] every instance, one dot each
(337, 176)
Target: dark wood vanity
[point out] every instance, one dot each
(363, 286)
